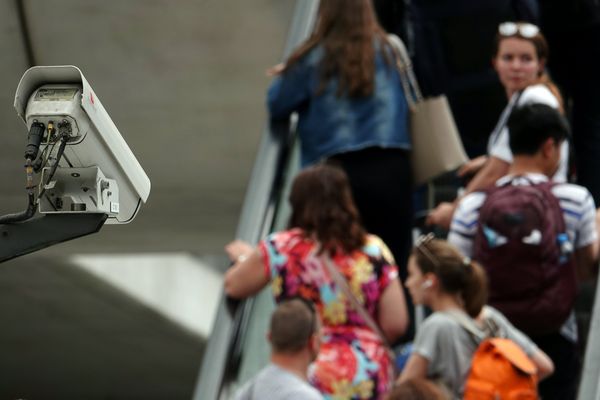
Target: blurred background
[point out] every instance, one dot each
(124, 313)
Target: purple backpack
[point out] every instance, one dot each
(522, 243)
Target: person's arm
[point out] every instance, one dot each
(543, 363)
(586, 262)
(472, 166)
(392, 315)
(289, 90)
(586, 241)
(465, 223)
(247, 275)
(416, 367)
(494, 169)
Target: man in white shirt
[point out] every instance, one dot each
(294, 337)
(536, 134)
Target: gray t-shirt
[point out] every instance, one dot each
(275, 383)
(449, 347)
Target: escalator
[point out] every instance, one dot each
(228, 361)
(237, 348)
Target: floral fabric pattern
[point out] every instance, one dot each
(352, 362)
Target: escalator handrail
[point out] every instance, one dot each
(258, 213)
(589, 387)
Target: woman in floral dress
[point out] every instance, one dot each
(353, 362)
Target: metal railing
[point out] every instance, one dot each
(221, 360)
(589, 388)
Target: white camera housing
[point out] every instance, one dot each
(98, 173)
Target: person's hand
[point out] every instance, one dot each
(275, 70)
(238, 249)
(472, 167)
(441, 215)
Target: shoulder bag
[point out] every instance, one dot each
(436, 144)
(341, 282)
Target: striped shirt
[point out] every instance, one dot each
(575, 202)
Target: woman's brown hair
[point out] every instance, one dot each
(457, 274)
(322, 206)
(542, 51)
(347, 30)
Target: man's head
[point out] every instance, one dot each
(536, 131)
(294, 328)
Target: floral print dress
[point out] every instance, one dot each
(352, 362)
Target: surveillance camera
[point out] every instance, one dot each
(85, 164)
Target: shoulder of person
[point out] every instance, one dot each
(538, 94)
(490, 312)
(471, 202)
(372, 240)
(305, 392)
(282, 235)
(286, 238)
(376, 247)
(439, 321)
(314, 55)
(572, 193)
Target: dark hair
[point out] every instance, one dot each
(417, 389)
(347, 29)
(531, 125)
(292, 324)
(542, 51)
(457, 274)
(322, 205)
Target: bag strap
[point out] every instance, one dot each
(505, 117)
(468, 324)
(343, 284)
(412, 91)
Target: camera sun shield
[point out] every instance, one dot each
(97, 171)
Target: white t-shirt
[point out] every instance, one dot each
(498, 143)
(575, 202)
(275, 383)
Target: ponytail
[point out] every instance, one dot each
(545, 80)
(474, 293)
(456, 273)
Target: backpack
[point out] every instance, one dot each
(522, 243)
(500, 369)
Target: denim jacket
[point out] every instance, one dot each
(329, 124)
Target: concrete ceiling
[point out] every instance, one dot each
(183, 81)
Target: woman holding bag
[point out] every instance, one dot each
(344, 85)
(324, 233)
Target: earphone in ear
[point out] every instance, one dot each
(427, 284)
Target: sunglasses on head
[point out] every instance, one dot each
(421, 245)
(523, 29)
